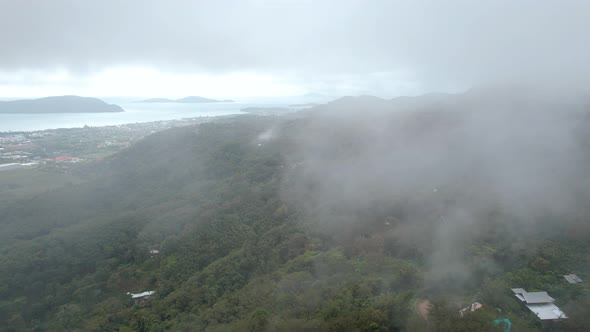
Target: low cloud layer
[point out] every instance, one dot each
(389, 45)
(445, 173)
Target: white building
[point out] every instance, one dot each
(471, 308)
(141, 295)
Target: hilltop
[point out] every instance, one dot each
(58, 104)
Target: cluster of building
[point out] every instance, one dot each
(67, 159)
(12, 149)
(9, 166)
(543, 305)
(15, 139)
(540, 303)
(61, 147)
(17, 150)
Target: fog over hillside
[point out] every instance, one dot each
(447, 164)
(350, 213)
(353, 165)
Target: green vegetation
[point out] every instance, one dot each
(15, 184)
(240, 251)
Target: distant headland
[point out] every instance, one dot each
(58, 104)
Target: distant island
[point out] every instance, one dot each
(185, 100)
(58, 104)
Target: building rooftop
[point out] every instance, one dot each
(518, 290)
(140, 295)
(546, 311)
(471, 308)
(537, 297)
(540, 303)
(572, 278)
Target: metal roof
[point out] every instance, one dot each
(518, 293)
(540, 303)
(537, 297)
(572, 278)
(546, 311)
(140, 295)
(518, 290)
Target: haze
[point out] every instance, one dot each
(337, 165)
(285, 47)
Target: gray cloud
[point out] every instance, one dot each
(439, 44)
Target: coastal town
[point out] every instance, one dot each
(59, 149)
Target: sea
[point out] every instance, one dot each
(135, 112)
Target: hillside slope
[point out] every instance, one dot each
(343, 217)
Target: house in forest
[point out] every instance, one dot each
(470, 308)
(572, 278)
(139, 297)
(540, 303)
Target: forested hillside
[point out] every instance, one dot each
(344, 217)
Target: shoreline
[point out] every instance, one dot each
(191, 120)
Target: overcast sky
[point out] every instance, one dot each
(240, 48)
